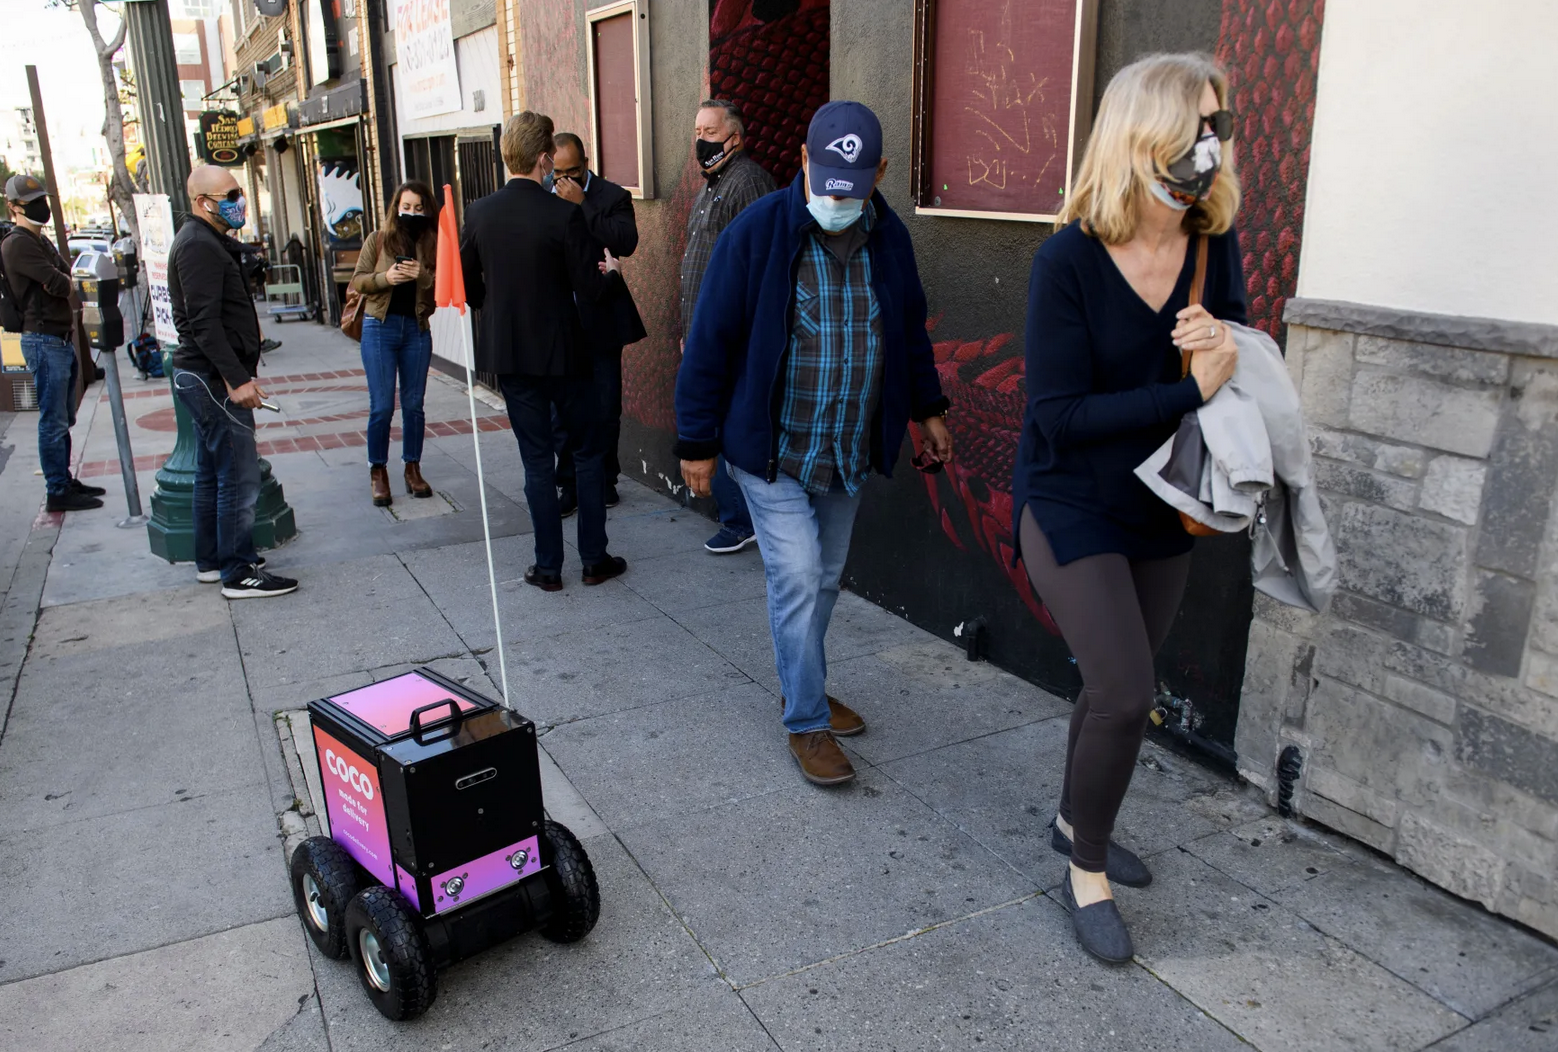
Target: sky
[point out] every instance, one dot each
(56, 41)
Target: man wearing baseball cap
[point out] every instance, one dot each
(806, 360)
(40, 282)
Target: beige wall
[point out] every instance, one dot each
(1433, 183)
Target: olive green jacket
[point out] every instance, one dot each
(371, 282)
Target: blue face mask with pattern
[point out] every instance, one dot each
(234, 213)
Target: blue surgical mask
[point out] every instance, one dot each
(834, 216)
(234, 213)
(549, 182)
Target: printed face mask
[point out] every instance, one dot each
(233, 213)
(710, 153)
(1191, 177)
(834, 216)
(38, 211)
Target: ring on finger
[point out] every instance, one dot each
(1211, 332)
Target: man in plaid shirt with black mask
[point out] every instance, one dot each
(807, 385)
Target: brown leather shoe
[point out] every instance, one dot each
(378, 479)
(845, 721)
(822, 761)
(415, 484)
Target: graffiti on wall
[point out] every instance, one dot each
(340, 200)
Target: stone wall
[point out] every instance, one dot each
(1424, 704)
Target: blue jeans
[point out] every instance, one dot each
(729, 502)
(227, 475)
(804, 540)
(54, 367)
(530, 400)
(396, 345)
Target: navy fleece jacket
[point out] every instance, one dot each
(728, 388)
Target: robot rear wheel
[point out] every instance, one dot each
(572, 882)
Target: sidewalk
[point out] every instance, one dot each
(145, 791)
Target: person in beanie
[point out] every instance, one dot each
(806, 359)
(40, 282)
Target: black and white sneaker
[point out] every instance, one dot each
(213, 576)
(255, 583)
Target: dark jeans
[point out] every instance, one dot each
(1114, 615)
(396, 345)
(530, 401)
(227, 475)
(608, 388)
(52, 362)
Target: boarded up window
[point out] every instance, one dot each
(997, 128)
(619, 94)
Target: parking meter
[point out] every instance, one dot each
(100, 305)
(128, 262)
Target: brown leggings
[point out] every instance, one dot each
(1114, 615)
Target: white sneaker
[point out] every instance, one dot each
(213, 576)
(255, 583)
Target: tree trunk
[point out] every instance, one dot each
(121, 186)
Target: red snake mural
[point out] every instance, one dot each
(1271, 51)
(771, 56)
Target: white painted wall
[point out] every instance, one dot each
(1433, 180)
(476, 56)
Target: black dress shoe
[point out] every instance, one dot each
(77, 486)
(567, 502)
(1100, 929)
(601, 572)
(613, 498)
(547, 582)
(1120, 865)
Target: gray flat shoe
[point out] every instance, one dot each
(1121, 865)
(1100, 929)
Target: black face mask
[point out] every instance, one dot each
(414, 225)
(38, 211)
(710, 153)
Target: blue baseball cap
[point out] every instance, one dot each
(843, 150)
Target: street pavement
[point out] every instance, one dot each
(150, 778)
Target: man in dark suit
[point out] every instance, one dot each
(614, 323)
(532, 250)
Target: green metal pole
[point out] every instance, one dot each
(171, 530)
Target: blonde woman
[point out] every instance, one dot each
(1108, 318)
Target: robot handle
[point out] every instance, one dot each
(416, 715)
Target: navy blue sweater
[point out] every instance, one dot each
(1104, 391)
(729, 385)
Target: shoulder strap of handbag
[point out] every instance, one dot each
(1197, 283)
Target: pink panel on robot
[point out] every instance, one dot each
(388, 705)
(482, 876)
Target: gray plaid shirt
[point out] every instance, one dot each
(739, 183)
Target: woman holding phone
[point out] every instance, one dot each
(394, 276)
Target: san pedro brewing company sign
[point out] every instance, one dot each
(219, 132)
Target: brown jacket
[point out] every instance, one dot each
(371, 283)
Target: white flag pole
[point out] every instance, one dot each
(481, 485)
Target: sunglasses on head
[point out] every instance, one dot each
(1219, 124)
(232, 195)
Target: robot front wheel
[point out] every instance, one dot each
(571, 880)
(390, 949)
(324, 880)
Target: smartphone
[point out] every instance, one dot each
(405, 259)
(272, 406)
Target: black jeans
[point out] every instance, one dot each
(607, 379)
(1114, 615)
(530, 401)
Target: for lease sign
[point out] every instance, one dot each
(424, 50)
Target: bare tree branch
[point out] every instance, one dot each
(121, 186)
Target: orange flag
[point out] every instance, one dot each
(449, 278)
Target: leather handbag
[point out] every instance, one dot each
(1193, 526)
(351, 315)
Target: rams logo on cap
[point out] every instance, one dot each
(839, 184)
(847, 147)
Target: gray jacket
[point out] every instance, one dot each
(1242, 462)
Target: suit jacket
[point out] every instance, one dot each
(608, 213)
(533, 253)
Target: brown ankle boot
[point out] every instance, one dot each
(822, 761)
(378, 479)
(415, 484)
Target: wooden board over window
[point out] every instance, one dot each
(1003, 95)
(620, 114)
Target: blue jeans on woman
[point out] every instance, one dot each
(805, 540)
(396, 345)
(52, 362)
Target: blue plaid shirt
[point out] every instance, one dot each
(833, 372)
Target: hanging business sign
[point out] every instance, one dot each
(424, 49)
(271, 8)
(155, 215)
(219, 134)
